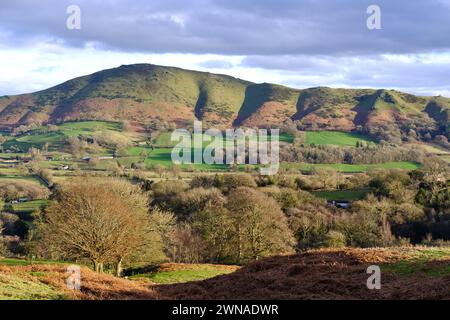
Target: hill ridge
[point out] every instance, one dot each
(140, 92)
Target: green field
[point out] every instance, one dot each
(24, 262)
(160, 154)
(163, 157)
(338, 195)
(27, 179)
(14, 287)
(419, 263)
(30, 206)
(164, 140)
(194, 272)
(353, 168)
(56, 139)
(342, 139)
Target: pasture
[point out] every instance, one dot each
(342, 139)
(339, 195)
(179, 273)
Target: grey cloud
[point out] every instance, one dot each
(416, 75)
(269, 27)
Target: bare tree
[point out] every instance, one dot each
(261, 227)
(102, 221)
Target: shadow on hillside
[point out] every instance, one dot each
(317, 275)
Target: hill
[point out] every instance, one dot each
(406, 273)
(141, 92)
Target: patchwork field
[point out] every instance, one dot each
(158, 152)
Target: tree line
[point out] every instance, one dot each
(232, 218)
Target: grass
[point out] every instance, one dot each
(77, 128)
(30, 206)
(161, 153)
(164, 140)
(48, 281)
(185, 273)
(8, 171)
(10, 156)
(24, 262)
(342, 139)
(163, 157)
(56, 139)
(339, 195)
(419, 262)
(14, 287)
(4, 179)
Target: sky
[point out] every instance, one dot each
(298, 43)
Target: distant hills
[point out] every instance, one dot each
(141, 92)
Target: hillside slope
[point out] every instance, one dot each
(141, 92)
(406, 273)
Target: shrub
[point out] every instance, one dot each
(334, 239)
(233, 181)
(168, 188)
(202, 181)
(198, 199)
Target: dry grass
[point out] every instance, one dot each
(407, 273)
(94, 286)
(326, 274)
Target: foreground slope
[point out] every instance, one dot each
(329, 274)
(406, 273)
(48, 282)
(141, 92)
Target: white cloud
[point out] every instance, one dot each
(47, 64)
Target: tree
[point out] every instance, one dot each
(215, 226)
(370, 223)
(2, 141)
(103, 221)
(75, 147)
(310, 223)
(260, 227)
(2, 243)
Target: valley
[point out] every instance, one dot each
(359, 168)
